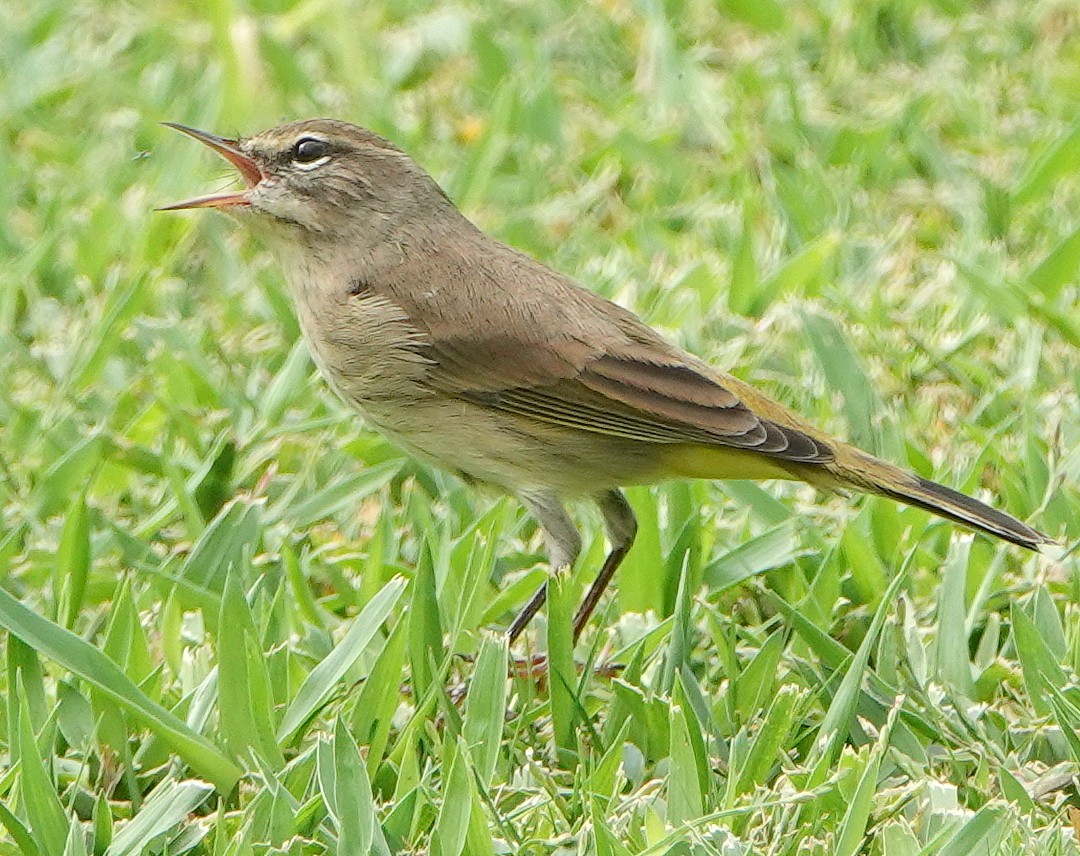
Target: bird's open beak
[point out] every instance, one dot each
(230, 150)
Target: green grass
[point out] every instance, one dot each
(235, 614)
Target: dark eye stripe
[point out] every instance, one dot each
(310, 149)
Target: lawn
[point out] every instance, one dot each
(236, 620)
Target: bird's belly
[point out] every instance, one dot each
(512, 452)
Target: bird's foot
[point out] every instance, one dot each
(535, 668)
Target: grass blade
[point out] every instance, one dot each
(95, 668)
(1058, 160)
(562, 674)
(838, 717)
(167, 807)
(685, 799)
(223, 544)
(1058, 269)
(452, 824)
(425, 625)
(48, 820)
(346, 791)
(243, 686)
(982, 834)
(1040, 669)
(765, 749)
(374, 712)
(485, 709)
(73, 562)
(773, 548)
(19, 832)
(953, 664)
(322, 680)
(850, 841)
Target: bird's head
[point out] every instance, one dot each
(321, 178)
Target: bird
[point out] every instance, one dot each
(475, 357)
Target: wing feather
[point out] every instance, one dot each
(655, 403)
(553, 351)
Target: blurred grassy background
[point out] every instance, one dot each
(870, 209)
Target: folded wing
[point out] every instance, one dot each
(652, 402)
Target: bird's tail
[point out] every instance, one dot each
(852, 468)
(959, 507)
(876, 476)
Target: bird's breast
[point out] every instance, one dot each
(363, 344)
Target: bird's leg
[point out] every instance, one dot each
(621, 526)
(522, 619)
(563, 545)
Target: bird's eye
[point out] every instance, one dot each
(309, 150)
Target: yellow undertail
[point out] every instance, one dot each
(855, 470)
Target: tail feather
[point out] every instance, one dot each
(853, 468)
(963, 509)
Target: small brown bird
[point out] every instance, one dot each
(479, 359)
